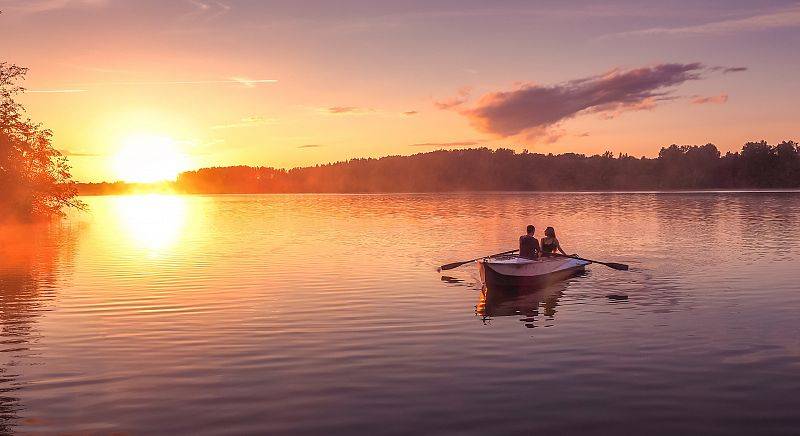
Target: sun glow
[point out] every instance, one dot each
(152, 222)
(149, 158)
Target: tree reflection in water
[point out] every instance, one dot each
(31, 257)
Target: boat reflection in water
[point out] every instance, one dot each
(531, 302)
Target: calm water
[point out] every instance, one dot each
(323, 314)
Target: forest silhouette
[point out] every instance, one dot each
(758, 165)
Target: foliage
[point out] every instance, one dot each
(35, 180)
(758, 165)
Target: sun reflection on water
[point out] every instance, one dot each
(152, 222)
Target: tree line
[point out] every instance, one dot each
(35, 179)
(758, 165)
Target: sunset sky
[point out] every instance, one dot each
(288, 83)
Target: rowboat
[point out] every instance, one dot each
(511, 271)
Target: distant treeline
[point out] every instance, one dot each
(758, 165)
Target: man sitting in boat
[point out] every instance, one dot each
(550, 243)
(529, 245)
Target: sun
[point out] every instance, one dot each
(145, 158)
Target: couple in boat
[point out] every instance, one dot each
(529, 247)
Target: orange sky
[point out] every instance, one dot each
(281, 84)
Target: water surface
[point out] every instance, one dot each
(323, 314)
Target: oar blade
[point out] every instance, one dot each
(617, 266)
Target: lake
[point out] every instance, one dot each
(324, 314)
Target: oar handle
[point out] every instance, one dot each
(612, 265)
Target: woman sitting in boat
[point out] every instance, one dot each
(529, 245)
(550, 243)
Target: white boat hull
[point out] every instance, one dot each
(517, 271)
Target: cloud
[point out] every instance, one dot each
(341, 110)
(250, 83)
(554, 136)
(459, 99)
(79, 153)
(237, 80)
(246, 122)
(528, 11)
(310, 146)
(41, 6)
(733, 70)
(409, 113)
(54, 91)
(789, 17)
(206, 10)
(81, 87)
(96, 69)
(530, 107)
(714, 99)
(446, 144)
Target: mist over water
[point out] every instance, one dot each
(311, 314)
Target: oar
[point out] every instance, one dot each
(614, 265)
(458, 264)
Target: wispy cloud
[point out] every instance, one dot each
(206, 10)
(54, 91)
(340, 110)
(246, 122)
(251, 83)
(446, 144)
(460, 98)
(310, 146)
(528, 12)
(714, 99)
(104, 70)
(533, 108)
(84, 87)
(41, 6)
(728, 70)
(235, 80)
(409, 113)
(789, 17)
(79, 153)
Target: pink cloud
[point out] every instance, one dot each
(459, 99)
(777, 19)
(714, 99)
(507, 113)
(344, 110)
(446, 144)
(733, 70)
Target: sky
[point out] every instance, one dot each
(200, 83)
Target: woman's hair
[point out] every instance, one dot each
(550, 232)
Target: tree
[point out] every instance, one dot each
(758, 164)
(35, 179)
(788, 167)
